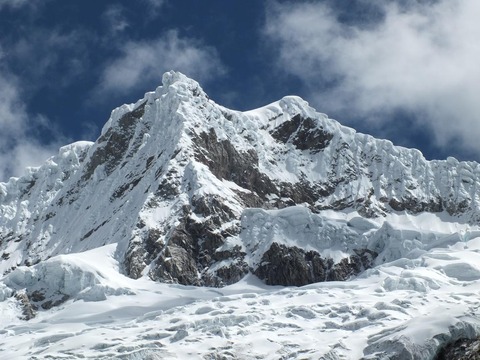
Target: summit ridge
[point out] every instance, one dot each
(175, 172)
(182, 191)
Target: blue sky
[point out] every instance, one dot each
(401, 69)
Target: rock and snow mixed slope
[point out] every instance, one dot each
(180, 190)
(406, 309)
(170, 178)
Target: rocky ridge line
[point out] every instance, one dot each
(171, 178)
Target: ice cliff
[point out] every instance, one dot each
(178, 182)
(181, 190)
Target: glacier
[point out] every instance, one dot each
(189, 230)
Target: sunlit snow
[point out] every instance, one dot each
(73, 225)
(109, 315)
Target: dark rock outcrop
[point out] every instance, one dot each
(165, 151)
(292, 266)
(116, 141)
(31, 302)
(28, 310)
(226, 162)
(303, 133)
(191, 247)
(463, 349)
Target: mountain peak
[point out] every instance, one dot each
(170, 78)
(178, 189)
(176, 88)
(175, 173)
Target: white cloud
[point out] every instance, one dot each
(22, 155)
(18, 149)
(11, 109)
(115, 18)
(13, 3)
(155, 5)
(44, 54)
(32, 6)
(420, 58)
(142, 64)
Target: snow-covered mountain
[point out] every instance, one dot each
(180, 190)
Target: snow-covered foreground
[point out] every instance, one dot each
(407, 306)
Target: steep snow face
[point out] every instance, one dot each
(25, 203)
(174, 177)
(92, 194)
(180, 190)
(406, 309)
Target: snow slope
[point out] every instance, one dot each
(354, 170)
(95, 243)
(176, 160)
(406, 308)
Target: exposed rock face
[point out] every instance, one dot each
(28, 311)
(225, 162)
(171, 178)
(282, 265)
(292, 266)
(303, 133)
(114, 143)
(192, 249)
(463, 349)
(31, 302)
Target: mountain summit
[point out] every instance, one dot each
(198, 194)
(180, 191)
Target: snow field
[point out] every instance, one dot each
(408, 303)
(76, 224)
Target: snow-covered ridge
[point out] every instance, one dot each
(180, 190)
(175, 147)
(390, 311)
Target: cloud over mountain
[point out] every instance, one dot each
(18, 147)
(141, 61)
(408, 56)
